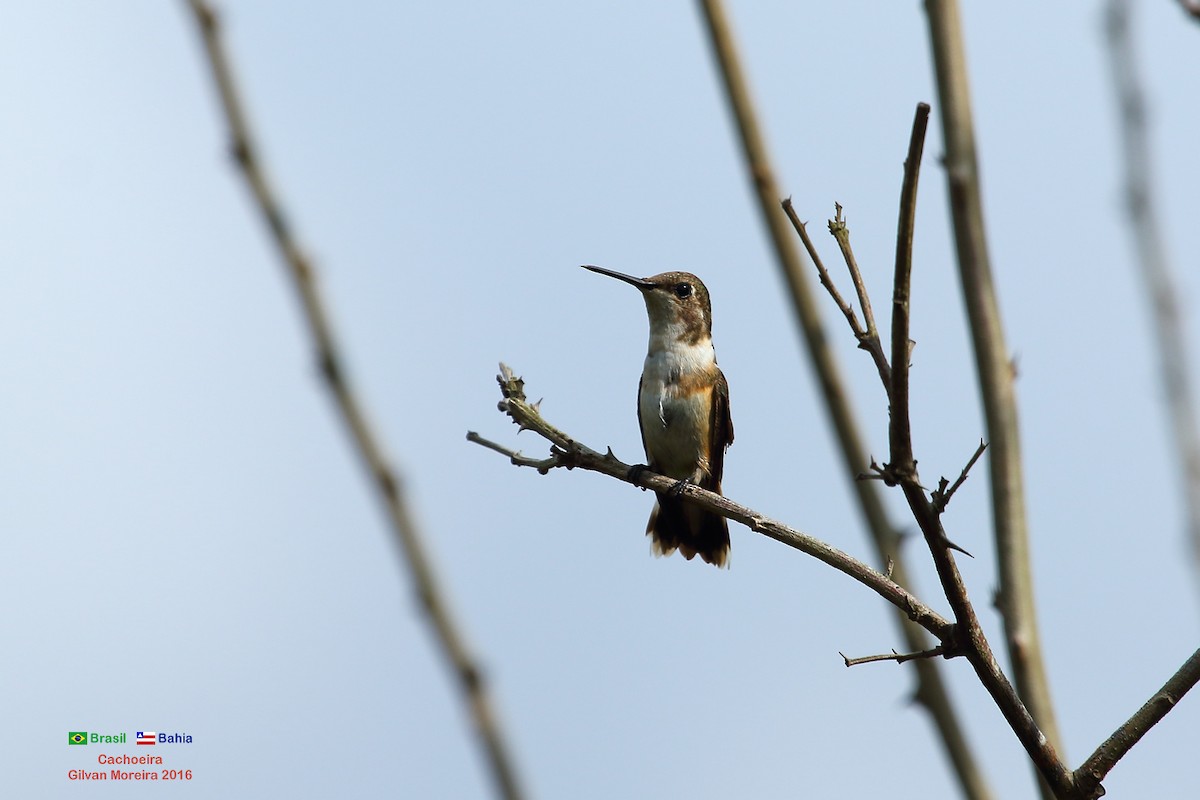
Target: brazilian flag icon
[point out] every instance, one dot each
(77, 737)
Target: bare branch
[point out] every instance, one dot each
(976, 648)
(931, 691)
(574, 454)
(994, 370)
(823, 274)
(867, 339)
(542, 465)
(1098, 765)
(1154, 263)
(964, 638)
(899, 431)
(899, 658)
(902, 470)
(1191, 8)
(387, 481)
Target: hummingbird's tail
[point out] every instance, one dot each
(676, 525)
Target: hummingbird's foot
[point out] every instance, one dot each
(636, 470)
(677, 489)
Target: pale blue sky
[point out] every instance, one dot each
(190, 545)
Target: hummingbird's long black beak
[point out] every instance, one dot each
(640, 283)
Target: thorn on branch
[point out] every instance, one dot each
(941, 497)
(877, 473)
(891, 475)
(946, 541)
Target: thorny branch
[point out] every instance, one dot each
(959, 638)
(899, 658)
(901, 471)
(931, 690)
(387, 480)
(903, 467)
(994, 370)
(568, 453)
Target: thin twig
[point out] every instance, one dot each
(903, 470)
(542, 465)
(963, 638)
(994, 369)
(823, 276)
(867, 340)
(450, 640)
(570, 453)
(899, 658)
(1154, 263)
(931, 691)
(841, 232)
(1098, 765)
(941, 497)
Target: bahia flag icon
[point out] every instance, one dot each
(77, 737)
(147, 737)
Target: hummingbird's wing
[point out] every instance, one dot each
(721, 432)
(676, 525)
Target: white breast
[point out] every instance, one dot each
(675, 425)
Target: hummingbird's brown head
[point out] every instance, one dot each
(677, 303)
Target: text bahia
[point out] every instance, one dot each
(174, 738)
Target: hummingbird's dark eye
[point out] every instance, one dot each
(683, 290)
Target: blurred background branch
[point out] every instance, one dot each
(384, 477)
(931, 692)
(1015, 596)
(1153, 263)
(1191, 8)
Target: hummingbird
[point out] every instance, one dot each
(683, 413)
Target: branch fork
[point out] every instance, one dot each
(960, 638)
(569, 453)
